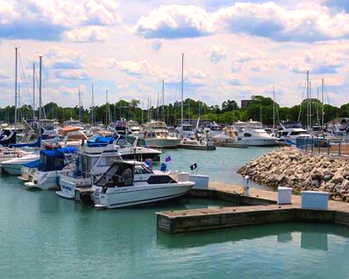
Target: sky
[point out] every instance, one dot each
(232, 49)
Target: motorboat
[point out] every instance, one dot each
(14, 166)
(127, 184)
(92, 161)
(290, 135)
(186, 130)
(156, 135)
(133, 127)
(52, 163)
(197, 144)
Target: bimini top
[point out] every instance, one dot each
(36, 143)
(100, 141)
(55, 159)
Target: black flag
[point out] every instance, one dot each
(193, 166)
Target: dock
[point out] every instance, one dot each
(259, 208)
(230, 144)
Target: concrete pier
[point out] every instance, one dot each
(259, 208)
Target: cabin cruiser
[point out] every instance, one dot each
(128, 184)
(92, 161)
(291, 134)
(156, 135)
(197, 143)
(120, 127)
(252, 134)
(14, 166)
(186, 130)
(213, 129)
(72, 123)
(51, 164)
(133, 127)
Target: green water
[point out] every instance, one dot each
(43, 236)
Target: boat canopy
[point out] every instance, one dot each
(8, 139)
(119, 174)
(100, 141)
(51, 160)
(33, 165)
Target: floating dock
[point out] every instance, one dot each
(230, 144)
(259, 208)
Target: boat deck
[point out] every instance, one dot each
(259, 208)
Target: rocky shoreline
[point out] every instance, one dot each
(291, 167)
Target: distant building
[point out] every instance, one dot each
(244, 103)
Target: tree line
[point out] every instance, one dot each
(259, 108)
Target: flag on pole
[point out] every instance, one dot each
(193, 166)
(168, 158)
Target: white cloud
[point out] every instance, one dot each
(157, 44)
(61, 58)
(48, 20)
(236, 79)
(70, 74)
(318, 62)
(3, 75)
(307, 23)
(216, 53)
(174, 22)
(87, 34)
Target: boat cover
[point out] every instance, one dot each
(100, 141)
(51, 160)
(28, 144)
(33, 165)
(8, 139)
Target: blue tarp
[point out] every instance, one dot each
(33, 165)
(29, 144)
(51, 160)
(100, 141)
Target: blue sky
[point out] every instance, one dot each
(233, 49)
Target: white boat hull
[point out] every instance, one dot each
(119, 197)
(44, 180)
(258, 142)
(69, 184)
(163, 142)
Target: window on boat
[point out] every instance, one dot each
(285, 133)
(141, 142)
(160, 179)
(106, 161)
(295, 133)
(247, 135)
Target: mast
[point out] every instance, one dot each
(322, 105)
(33, 90)
(106, 108)
(182, 92)
(92, 107)
(273, 108)
(308, 107)
(16, 88)
(142, 108)
(40, 96)
(79, 104)
(163, 100)
(260, 112)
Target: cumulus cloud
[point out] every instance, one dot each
(59, 58)
(308, 23)
(323, 62)
(341, 4)
(70, 74)
(236, 79)
(48, 20)
(174, 22)
(87, 34)
(216, 53)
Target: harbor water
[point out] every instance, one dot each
(44, 236)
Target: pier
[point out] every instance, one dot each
(259, 208)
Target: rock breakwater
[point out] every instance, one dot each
(291, 167)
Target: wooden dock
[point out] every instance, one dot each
(259, 208)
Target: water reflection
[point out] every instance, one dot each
(311, 236)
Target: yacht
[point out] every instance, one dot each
(290, 135)
(93, 160)
(128, 184)
(252, 133)
(186, 130)
(156, 135)
(198, 144)
(133, 127)
(51, 164)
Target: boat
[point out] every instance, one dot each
(252, 133)
(197, 144)
(14, 166)
(51, 164)
(127, 184)
(156, 135)
(290, 135)
(133, 127)
(187, 130)
(28, 170)
(93, 160)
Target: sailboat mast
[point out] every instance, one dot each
(92, 107)
(182, 92)
(322, 106)
(33, 90)
(40, 96)
(79, 104)
(163, 100)
(273, 108)
(106, 108)
(308, 110)
(16, 88)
